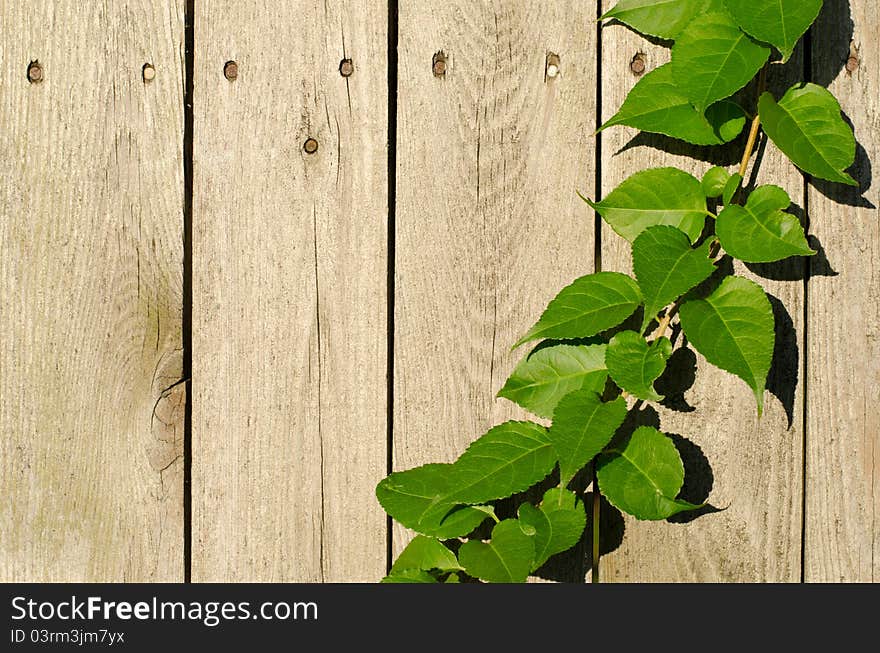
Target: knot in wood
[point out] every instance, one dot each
(637, 65)
(551, 68)
(438, 64)
(35, 72)
(852, 64)
(230, 70)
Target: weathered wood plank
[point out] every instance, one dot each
(91, 257)
(289, 284)
(843, 422)
(489, 225)
(752, 466)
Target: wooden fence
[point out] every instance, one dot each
(205, 369)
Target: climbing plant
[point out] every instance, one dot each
(597, 357)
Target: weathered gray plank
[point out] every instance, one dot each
(289, 285)
(91, 292)
(489, 226)
(753, 466)
(843, 422)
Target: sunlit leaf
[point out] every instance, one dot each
(643, 476)
(807, 126)
(760, 231)
(733, 328)
(655, 196)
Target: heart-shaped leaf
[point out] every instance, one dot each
(635, 365)
(778, 22)
(733, 328)
(425, 553)
(506, 558)
(508, 459)
(558, 523)
(643, 476)
(545, 376)
(655, 196)
(713, 58)
(587, 306)
(666, 267)
(419, 499)
(656, 105)
(760, 232)
(661, 18)
(582, 426)
(807, 126)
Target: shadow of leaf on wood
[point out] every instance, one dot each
(678, 378)
(795, 267)
(654, 40)
(783, 378)
(831, 37)
(722, 155)
(861, 171)
(698, 479)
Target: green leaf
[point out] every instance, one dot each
(635, 365)
(558, 523)
(545, 376)
(713, 58)
(409, 576)
(643, 476)
(508, 459)
(666, 267)
(582, 427)
(506, 558)
(760, 232)
(807, 126)
(425, 553)
(419, 499)
(731, 187)
(714, 181)
(656, 105)
(778, 22)
(733, 328)
(661, 18)
(586, 307)
(655, 196)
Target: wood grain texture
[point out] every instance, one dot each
(91, 256)
(488, 225)
(289, 284)
(843, 422)
(752, 466)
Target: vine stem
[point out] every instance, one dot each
(664, 322)
(750, 145)
(743, 168)
(756, 125)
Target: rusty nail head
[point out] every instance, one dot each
(149, 72)
(552, 66)
(438, 64)
(637, 65)
(852, 64)
(310, 146)
(346, 67)
(230, 70)
(35, 72)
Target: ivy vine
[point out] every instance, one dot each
(586, 365)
